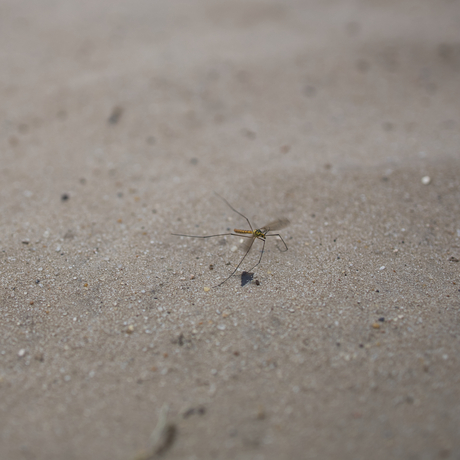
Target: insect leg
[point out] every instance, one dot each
(205, 236)
(238, 266)
(261, 254)
(281, 238)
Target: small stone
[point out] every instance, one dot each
(206, 288)
(376, 326)
(21, 352)
(426, 180)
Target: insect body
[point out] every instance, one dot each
(250, 235)
(255, 233)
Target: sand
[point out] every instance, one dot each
(120, 121)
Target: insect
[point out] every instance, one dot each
(250, 235)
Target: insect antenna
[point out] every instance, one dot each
(233, 209)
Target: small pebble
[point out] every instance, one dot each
(206, 288)
(376, 326)
(21, 352)
(426, 180)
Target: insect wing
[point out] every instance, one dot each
(276, 225)
(247, 244)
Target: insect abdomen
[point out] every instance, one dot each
(246, 232)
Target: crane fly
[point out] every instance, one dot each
(250, 235)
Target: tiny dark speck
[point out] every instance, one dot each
(377, 290)
(382, 319)
(194, 161)
(115, 115)
(64, 197)
(37, 281)
(195, 410)
(387, 126)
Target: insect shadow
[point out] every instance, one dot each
(246, 277)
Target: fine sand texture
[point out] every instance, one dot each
(122, 122)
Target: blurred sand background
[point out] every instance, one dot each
(118, 122)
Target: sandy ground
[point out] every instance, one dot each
(118, 122)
